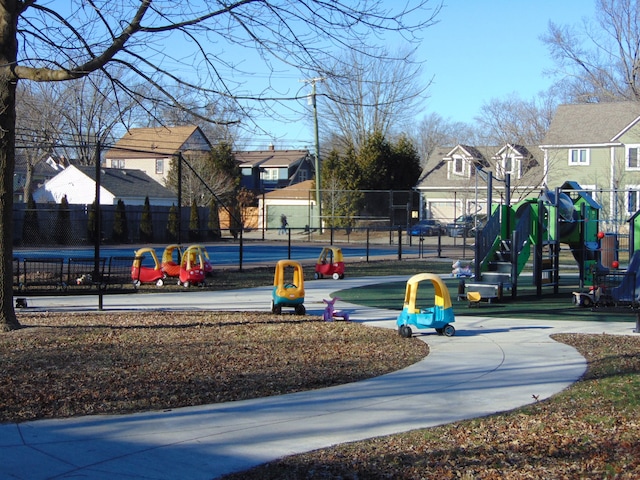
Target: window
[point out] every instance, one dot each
(633, 199)
(117, 163)
(578, 156)
(633, 157)
(159, 166)
(458, 165)
(509, 165)
(270, 174)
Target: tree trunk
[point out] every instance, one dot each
(8, 55)
(28, 180)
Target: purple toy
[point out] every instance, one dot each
(330, 312)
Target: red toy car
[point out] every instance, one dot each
(330, 264)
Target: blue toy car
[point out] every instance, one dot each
(440, 316)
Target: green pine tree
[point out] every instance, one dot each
(62, 231)
(173, 224)
(30, 227)
(146, 223)
(194, 222)
(92, 218)
(213, 223)
(120, 227)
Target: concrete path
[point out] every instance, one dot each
(491, 365)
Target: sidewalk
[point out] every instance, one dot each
(490, 365)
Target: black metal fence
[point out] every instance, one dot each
(48, 226)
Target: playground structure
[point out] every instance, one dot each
(330, 263)
(440, 316)
(537, 226)
(288, 287)
(613, 288)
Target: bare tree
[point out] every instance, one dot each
(599, 61)
(516, 121)
(434, 131)
(225, 129)
(91, 110)
(37, 125)
(378, 92)
(65, 41)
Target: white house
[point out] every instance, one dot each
(130, 186)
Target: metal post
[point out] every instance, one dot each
(514, 263)
(241, 253)
(179, 239)
(367, 245)
(317, 151)
(98, 230)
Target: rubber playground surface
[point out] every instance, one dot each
(548, 306)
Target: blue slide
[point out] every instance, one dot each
(629, 288)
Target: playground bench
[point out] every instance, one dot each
(476, 292)
(68, 276)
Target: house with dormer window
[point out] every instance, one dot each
(456, 179)
(597, 145)
(516, 161)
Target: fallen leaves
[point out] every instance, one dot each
(66, 365)
(590, 430)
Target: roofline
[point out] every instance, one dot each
(626, 129)
(576, 145)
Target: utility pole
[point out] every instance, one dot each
(313, 82)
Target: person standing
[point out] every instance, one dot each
(283, 224)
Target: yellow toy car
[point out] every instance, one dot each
(288, 287)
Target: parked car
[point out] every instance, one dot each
(465, 225)
(426, 228)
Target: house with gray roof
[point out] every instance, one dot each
(597, 145)
(456, 179)
(267, 170)
(79, 185)
(40, 173)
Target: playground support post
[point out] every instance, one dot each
(367, 245)
(514, 264)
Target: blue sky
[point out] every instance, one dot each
(479, 50)
(484, 49)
